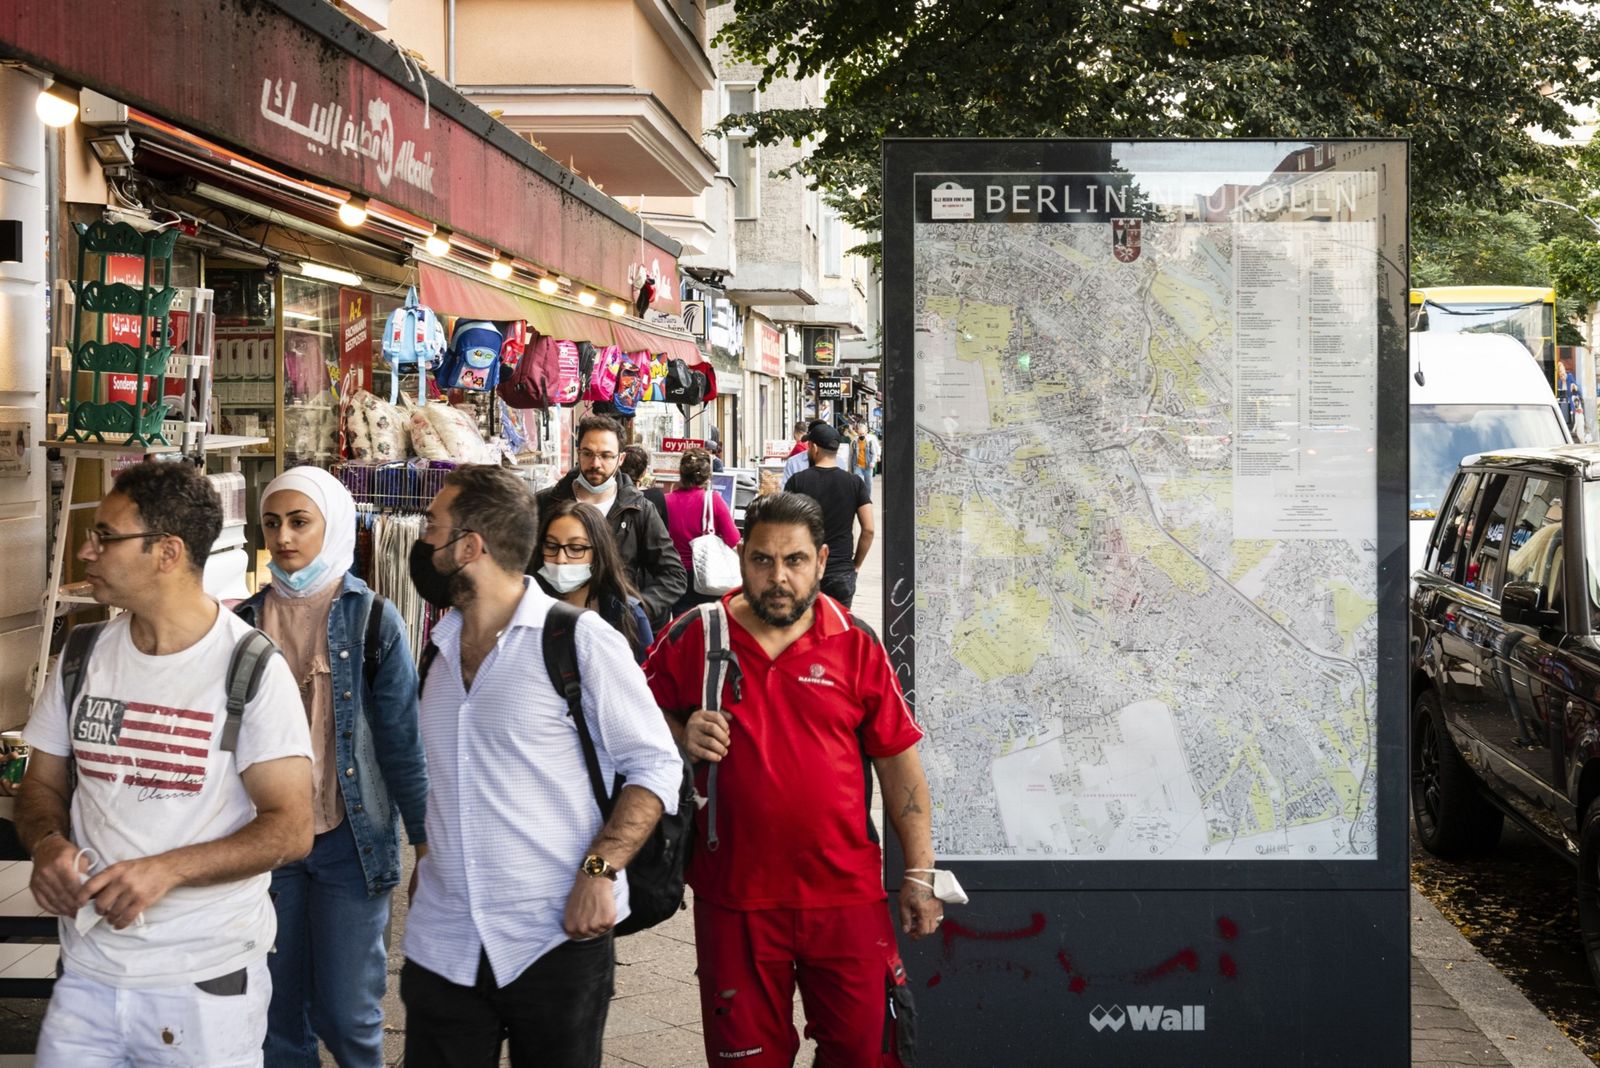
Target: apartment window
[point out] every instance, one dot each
(744, 158)
(832, 244)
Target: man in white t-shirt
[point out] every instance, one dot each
(151, 837)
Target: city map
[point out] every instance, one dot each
(1145, 573)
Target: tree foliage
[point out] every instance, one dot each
(1467, 80)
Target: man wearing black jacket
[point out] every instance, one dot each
(642, 540)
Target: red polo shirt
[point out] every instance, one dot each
(793, 793)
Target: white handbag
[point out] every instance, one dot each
(716, 567)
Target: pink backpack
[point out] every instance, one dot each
(603, 379)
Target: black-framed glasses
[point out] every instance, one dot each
(98, 541)
(573, 551)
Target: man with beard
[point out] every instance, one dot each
(509, 934)
(642, 540)
(792, 891)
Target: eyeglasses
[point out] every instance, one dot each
(98, 541)
(603, 457)
(575, 551)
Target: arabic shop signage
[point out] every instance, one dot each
(360, 132)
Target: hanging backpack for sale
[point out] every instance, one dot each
(586, 355)
(568, 388)
(413, 342)
(632, 380)
(603, 379)
(682, 385)
(530, 385)
(658, 377)
(516, 333)
(473, 361)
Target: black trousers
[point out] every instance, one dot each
(554, 1013)
(840, 586)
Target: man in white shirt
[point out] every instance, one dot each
(151, 830)
(509, 934)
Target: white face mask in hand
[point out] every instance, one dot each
(944, 885)
(89, 916)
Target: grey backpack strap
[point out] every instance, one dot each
(245, 668)
(74, 665)
(719, 659)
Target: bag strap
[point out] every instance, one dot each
(560, 641)
(74, 664)
(245, 669)
(372, 643)
(707, 525)
(720, 663)
(429, 653)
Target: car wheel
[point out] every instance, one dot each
(1452, 817)
(1589, 888)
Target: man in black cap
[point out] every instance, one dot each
(844, 499)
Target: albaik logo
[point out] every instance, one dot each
(1148, 1018)
(951, 201)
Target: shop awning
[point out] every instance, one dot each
(451, 293)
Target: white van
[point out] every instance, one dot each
(1470, 393)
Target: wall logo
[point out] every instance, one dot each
(1125, 239)
(1148, 1018)
(951, 201)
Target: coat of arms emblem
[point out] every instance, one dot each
(1125, 239)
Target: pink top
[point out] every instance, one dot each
(686, 512)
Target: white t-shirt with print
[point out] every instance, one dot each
(152, 777)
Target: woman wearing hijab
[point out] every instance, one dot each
(580, 565)
(349, 653)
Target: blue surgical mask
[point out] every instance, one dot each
(564, 578)
(303, 579)
(602, 488)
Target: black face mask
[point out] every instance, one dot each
(438, 588)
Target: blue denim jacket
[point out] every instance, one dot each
(383, 776)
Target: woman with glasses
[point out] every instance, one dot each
(358, 683)
(581, 566)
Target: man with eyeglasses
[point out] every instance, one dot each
(642, 540)
(151, 829)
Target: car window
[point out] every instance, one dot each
(1449, 543)
(1487, 553)
(1535, 539)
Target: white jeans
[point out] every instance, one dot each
(92, 1025)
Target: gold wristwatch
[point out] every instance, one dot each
(595, 866)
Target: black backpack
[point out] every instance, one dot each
(655, 874)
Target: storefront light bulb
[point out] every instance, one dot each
(586, 299)
(353, 212)
(617, 307)
(55, 107)
(438, 243)
(548, 286)
(329, 274)
(500, 268)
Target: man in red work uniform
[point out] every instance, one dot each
(786, 868)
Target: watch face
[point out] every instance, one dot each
(596, 866)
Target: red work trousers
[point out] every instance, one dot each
(846, 964)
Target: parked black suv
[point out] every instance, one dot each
(1505, 663)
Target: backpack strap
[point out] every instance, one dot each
(429, 653)
(560, 640)
(74, 665)
(245, 668)
(720, 663)
(372, 643)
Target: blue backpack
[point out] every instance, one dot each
(413, 342)
(474, 358)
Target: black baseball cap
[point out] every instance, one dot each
(823, 435)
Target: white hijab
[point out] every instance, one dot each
(339, 518)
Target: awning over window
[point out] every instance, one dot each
(450, 293)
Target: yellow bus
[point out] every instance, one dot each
(1527, 313)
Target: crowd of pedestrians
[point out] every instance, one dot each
(215, 799)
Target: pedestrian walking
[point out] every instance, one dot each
(348, 651)
(581, 567)
(635, 464)
(863, 453)
(161, 789)
(799, 457)
(786, 869)
(510, 931)
(642, 539)
(845, 502)
(691, 503)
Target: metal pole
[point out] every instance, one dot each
(1586, 376)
